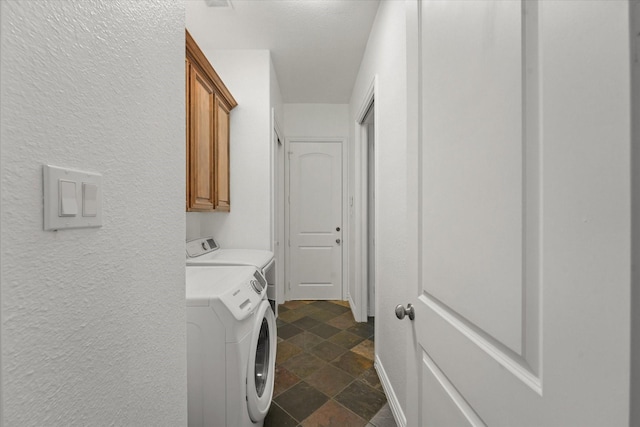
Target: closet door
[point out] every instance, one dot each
(519, 215)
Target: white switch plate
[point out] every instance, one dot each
(52, 214)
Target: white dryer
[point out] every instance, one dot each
(206, 251)
(231, 347)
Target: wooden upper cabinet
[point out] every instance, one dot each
(222, 161)
(208, 103)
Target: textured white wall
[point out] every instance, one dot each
(635, 217)
(275, 93)
(246, 75)
(93, 320)
(316, 120)
(385, 57)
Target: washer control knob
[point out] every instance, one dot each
(255, 286)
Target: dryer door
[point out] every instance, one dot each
(262, 362)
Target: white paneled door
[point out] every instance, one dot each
(519, 213)
(315, 220)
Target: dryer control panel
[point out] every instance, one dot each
(201, 246)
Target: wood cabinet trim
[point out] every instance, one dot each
(197, 57)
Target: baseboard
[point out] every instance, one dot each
(394, 404)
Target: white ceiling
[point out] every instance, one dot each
(316, 45)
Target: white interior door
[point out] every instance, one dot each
(519, 191)
(315, 220)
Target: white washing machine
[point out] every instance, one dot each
(231, 347)
(205, 251)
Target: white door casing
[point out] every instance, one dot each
(278, 205)
(519, 220)
(315, 219)
(359, 298)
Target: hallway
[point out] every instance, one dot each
(324, 369)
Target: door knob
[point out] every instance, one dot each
(401, 312)
(337, 228)
(338, 241)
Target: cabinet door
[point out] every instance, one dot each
(223, 202)
(201, 143)
(187, 80)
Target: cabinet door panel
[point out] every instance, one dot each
(202, 154)
(223, 201)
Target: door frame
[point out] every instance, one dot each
(278, 238)
(345, 212)
(361, 210)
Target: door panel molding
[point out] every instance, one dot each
(460, 276)
(512, 362)
(521, 357)
(444, 399)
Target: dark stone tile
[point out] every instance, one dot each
(329, 306)
(280, 322)
(323, 330)
(365, 348)
(277, 417)
(342, 303)
(370, 377)
(346, 339)
(303, 364)
(306, 340)
(352, 363)
(284, 380)
(282, 308)
(286, 350)
(329, 380)
(301, 400)
(291, 316)
(364, 330)
(306, 323)
(361, 399)
(332, 414)
(343, 321)
(307, 309)
(322, 304)
(327, 350)
(287, 331)
(294, 304)
(384, 417)
(323, 315)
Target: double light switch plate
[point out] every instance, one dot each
(72, 198)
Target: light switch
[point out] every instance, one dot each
(72, 198)
(89, 199)
(67, 197)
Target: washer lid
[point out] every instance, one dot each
(255, 257)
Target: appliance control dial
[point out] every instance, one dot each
(256, 286)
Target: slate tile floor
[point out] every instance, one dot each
(324, 369)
